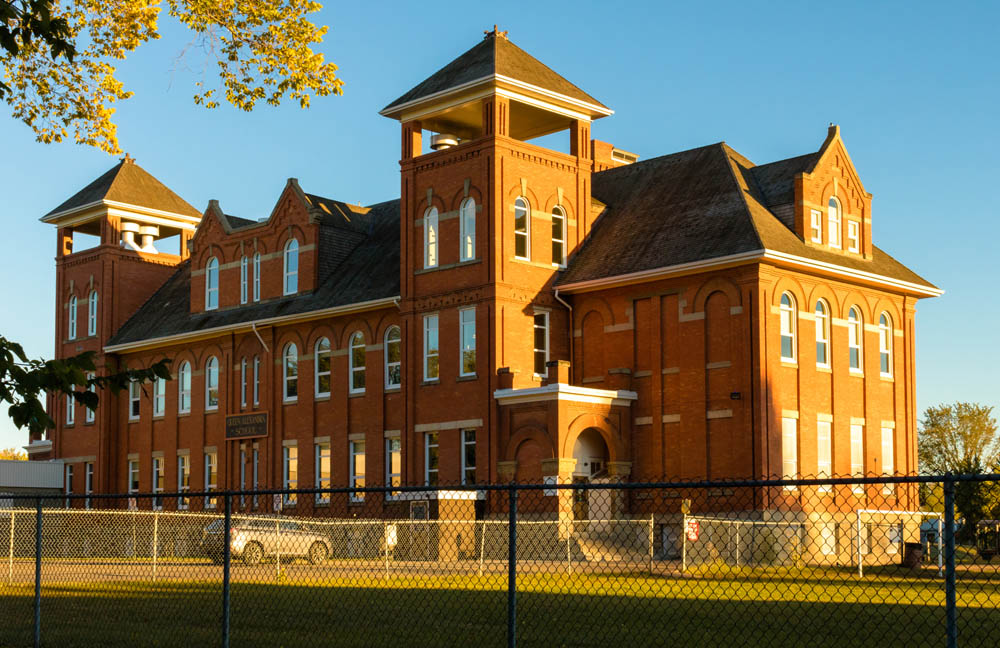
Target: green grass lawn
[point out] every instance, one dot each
(554, 610)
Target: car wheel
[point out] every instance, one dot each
(318, 553)
(253, 554)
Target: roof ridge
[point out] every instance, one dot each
(726, 151)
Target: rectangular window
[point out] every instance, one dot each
(72, 318)
(183, 479)
(243, 382)
(290, 473)
(133, 476)
(70, 409)
(888, 458)
(256, 380)
(431, 366)
(88, 481)
(468, 230)
(184, 389)
(467, 317)
(244, 279)
(211, 477)
(854, 330)
(89, 415)
(468, 456)
(858, 455)
(159, 397)
(212, 384)
(828, 538)
(787, 330)
(255, 472)
(885, 349)
(789, 450)
(393, 462)
(816, 225)
(431, 459)
(431, 238)
(558, 237)
(357, 469)
(69, 483)
(134, 393)
(833, 236)
(157, 482)
(853, 236)
(92, 314)
(522, 230)
(256, 277)
(322, 471)
(824, 453)
(541, 343)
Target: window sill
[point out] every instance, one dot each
(211, 410)
(432, 381)
(467, 378)
(130, 420)
(395, 389)
(184, 414)
(322, 397)
(69, 425)
(857, 373)
(446, 266)
(887, 377)
(824, 369)
(356, 394)
(785, 362)
(289, 401)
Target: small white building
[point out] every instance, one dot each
(29, 477)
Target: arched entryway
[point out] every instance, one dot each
(591, 454)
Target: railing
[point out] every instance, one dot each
(811, 562)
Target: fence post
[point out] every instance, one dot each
(156, 534)
(226, 555)
(512, 568)
(684, 543)
(569, 551)
(38, 572)
(385, 541)
(10, 550)
(652, 524)
(482, 547)
(277, 553)
(857, 533)
(949, 561)
(940, 551)
(738, 525)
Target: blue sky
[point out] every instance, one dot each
(915, 87)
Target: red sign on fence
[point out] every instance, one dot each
(693, 530)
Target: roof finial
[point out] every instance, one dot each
(496, 33)
(128, 159)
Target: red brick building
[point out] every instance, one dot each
(517, 313)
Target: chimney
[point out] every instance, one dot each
(129, 230)
(148, 233)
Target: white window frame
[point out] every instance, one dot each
(858, 455)
(788, 320)
(467, 227)
(256, 380)
(855, 339)
(211, 382)
(885, 345)
(290, 283)
(256, 276)
(159, 397)
(888, 458)
(322, 453)
(70, 409)
(357, 342)
(89, 415)
(467, 340)
(243, 476)
(92, 313)
(356, 449)
(822, 316)
(393, 445)
(184, 388)
(211, 477)
(133, 476)
(393, 366)
(431, 238)
(72, 317)
(789, 450)
(289, 464)
(853, 236)
(824, 453)
(88, 482)
(521, 203)
(816, 225)
(318, 373)
(466, 443)
(243, 382)
(157, 475)
(534, 347)
(432, 348)
(428, 471)
(559, 215)
(290, 373)
(244, 278)
(183, 480)
(134, 401)
(255, 473)
(69, 483)
(212, 284)
(835, 222)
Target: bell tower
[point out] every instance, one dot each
(487, 221)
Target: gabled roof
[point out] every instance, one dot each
(128, 183)
(494, 55)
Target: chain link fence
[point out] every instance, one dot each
(769, 563)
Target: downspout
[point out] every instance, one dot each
(570, 320)
(253, 325)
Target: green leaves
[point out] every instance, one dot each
(24, 21)
(22, 381)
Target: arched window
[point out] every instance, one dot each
(855, 326)
(522, 229)
(788, 327)
(291, 267)
(833, 210)
(212, 284)
(92, 313)
(822, 334)
(431, 238)
(256, 277)
(184, 388)
(393, 355)
(357, 362)
(290, 372)
(212, 384)
(885, 344)
(322, 367)
(467, 220)
(244, 279)
(72, 317)
(558, 236)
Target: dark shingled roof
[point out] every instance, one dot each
(697, 205)
(353, 267)
(494, 55)
(128, 183)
